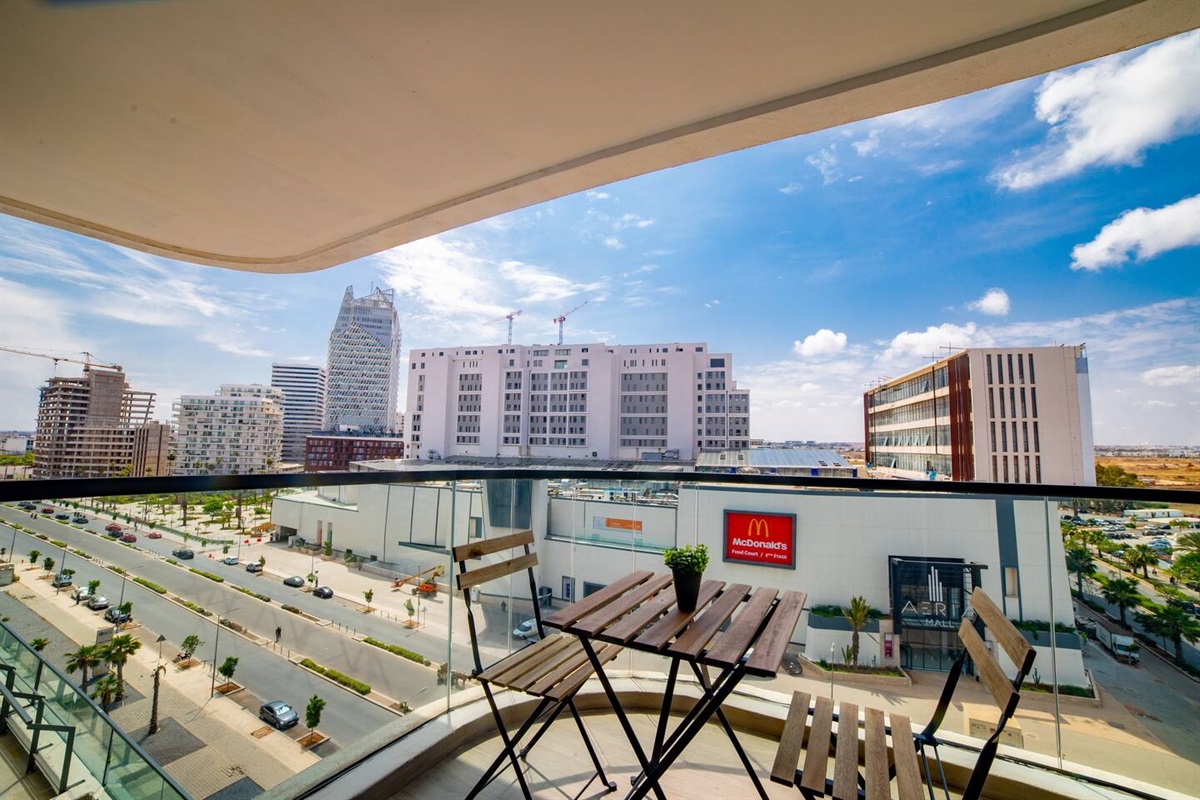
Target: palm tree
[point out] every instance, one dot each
(158, 671)
(1079, 563)
(83, 660)
(1122, 593)
(107, 689)
(117, 652)
(1171, 622)
(857, 615)
(1140, 556)
(1189, 542)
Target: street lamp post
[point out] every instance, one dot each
(160, 640)
(216, 645)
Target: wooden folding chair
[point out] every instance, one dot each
(878, 770)
(553, 669)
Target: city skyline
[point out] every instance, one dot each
(1063, 209)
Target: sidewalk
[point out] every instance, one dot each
(207, 745)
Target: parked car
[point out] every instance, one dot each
(79, 519)
(254, 566)
(230, 560)
(26, 505)
(323, 592)
(526, 630)
(112, 527)
(97, 602)
(81, 593)
(116, 616)
(293, 580)
(183, 553)
(62, 515)
(154, 535)
(129, 537)
(60, 580)
(279, 714)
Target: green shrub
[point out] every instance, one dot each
(292, 609)
(209, 575)
(399, 651)
(194, 607)
(81, 554)
(57, 543)
(117, 570)
(689, 558)
(334, 675)
(172, 561)
(244, 590)
(43, 537)
(154, 587)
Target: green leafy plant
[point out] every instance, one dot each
(689, 558)
(312, 713)
(228, 667)
(154, 587)
(189, 646)
(398, 651)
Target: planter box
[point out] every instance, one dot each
(229, 687)
(312, 739)
(857, 678)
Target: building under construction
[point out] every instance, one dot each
(86, 425)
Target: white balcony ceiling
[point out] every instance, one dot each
(287, 137)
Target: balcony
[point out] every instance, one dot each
(364, 531)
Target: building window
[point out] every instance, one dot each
(1037, 444)
(1021, 367)
(993, 427)
(1010, 581)
(1002, 414)
(1031, 378)
(999, 368)
(1028, 477)
(1004, 441)
(1033, 399)
(991, 404)
(989, 369)
(1037, 462)
(1023, 414)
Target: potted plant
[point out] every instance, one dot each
(687, 563)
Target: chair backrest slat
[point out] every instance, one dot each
(498, 570)
(1019, 651)
(483, 547)
(987, 667)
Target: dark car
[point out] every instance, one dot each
(323, 592)
(279, 714)
(61, 579)
(79, 519)
(184, 553)
(28, 506)
(97, 602)
(293, 580)
(112, 527)
(62, 515)
(117, 616)
(254, 566)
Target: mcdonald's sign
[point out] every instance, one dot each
(753, 537)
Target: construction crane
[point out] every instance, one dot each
(563, 318)
(88, 362)
(510, 318)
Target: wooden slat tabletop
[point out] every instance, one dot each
(604, 616)
(564, 617)
(701, 631)
(659, 634)
(736, 640)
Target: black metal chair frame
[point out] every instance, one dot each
(548, 709)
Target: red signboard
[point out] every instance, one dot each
(753, 537)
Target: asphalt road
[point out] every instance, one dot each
(1191, 654)
(265, 673)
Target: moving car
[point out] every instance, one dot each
(254, 566)
(117, 616)
(279, 714)
(26, 505)
(293, 580)
(62, 515)
(230, 560)
(79, 519)
(154, 535)
(526, 630)
(183, 553)
(61, 579)
(323, 592)
(129, 537)
(112, 527)
(47, 510)
(98, 602)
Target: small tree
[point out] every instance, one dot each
(33, 556)
(262, 561)
(408, 606)
(48, 564)
(39, 644)
(1079, 564)
(312, 578)
(857, 615)
(93, 585)
(126, 609)
(106, 689)
(187, 537)
(83, 660)
(228, 667)
(117, 652)
(369, 595)
(1122, 593)
(312, 714)
(158, 671)
(189, 646)
(225, 549)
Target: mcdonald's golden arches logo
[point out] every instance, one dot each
(757, 528)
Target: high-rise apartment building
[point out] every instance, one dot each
(86, 425)
(364, 364)
(1004, 415)
(587, 401)
(151, 446)
(238, 429)
(303, 387)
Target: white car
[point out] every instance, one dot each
(526, 630)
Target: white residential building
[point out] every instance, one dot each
(364, 364)
(303, 387)
(586, 401)
(237, 430)
(1003, 415)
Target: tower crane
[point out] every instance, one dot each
(510, 317)
(560, 319)
(88, 362)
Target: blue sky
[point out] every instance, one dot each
(1060, 209)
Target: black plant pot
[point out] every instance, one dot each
(687, 589)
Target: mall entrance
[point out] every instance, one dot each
(929, 649)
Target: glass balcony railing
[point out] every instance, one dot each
(1109, 700)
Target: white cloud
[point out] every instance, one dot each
(822, 343)
(792, 188)
(1182, 375)
(938, 167)
(1159, 404)
(712, 304)
(994, 302)
(1110, 112)
(825, 161)
(1142, 232)
(538, 285)
(613, 243)
(907, 345)
(632, 220)
(865, 147)
(595, 195)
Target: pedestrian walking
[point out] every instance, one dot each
(278, 633)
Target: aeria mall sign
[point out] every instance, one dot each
(753, 537)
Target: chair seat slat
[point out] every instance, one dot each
(816, 760)
(845, 765)
(908, 770)
(791, 741)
